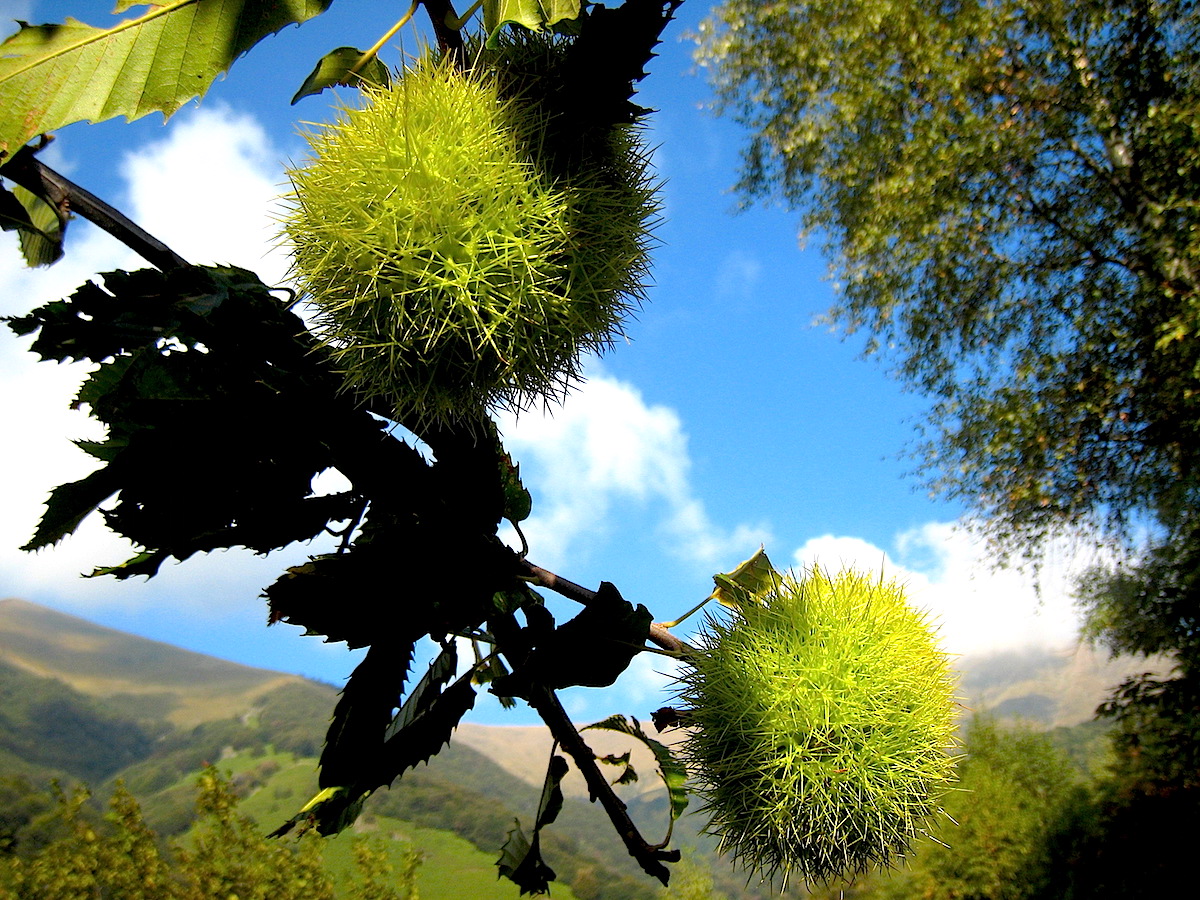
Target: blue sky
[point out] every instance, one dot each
(729, 419)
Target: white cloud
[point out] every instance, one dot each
(604, 447)
(952, 574)
(209, 191)
(204, 189)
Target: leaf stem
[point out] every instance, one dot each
(651, 859)
(60, 192)
(379, 44)
(457, 22)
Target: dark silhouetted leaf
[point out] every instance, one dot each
(70, 504)
(591, 650)
(355, 739)
(671, 770)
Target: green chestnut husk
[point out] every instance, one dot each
(823, 717)
(459, 256)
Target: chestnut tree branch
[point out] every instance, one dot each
(651, 858)
(60, 192)
(659, 635)
(449, 39)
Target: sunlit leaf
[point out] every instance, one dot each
(40, 225)
(532, 14)
(337, 67)
(518, 502)
(55, 74)
(750, 579)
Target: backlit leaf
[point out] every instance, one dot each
(532, 14)
(671, 770)
(55, 74)
(335, 68)
(39, 224)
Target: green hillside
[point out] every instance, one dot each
(78, 701)
(145, 678)
(91, 704)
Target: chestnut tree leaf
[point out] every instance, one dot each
(748, 581)
(671, 770)
(532, 14)
(54, 74)
(40, 225)
(336, 67)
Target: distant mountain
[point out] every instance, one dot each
(1048, 688)
(147, 679)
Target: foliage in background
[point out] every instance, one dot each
(1014, 788)
(226, 855)
(1011, 194)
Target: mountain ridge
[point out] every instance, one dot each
(139, 674)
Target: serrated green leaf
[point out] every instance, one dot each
(146, 563)
(55, 74)
(671, 770)
(40, 225)
(335, 68)
(750, 579)
(12, 214)
(532, 14)
(518, 502)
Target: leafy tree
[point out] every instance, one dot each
(378, 878)
(502, 231)
(691, 883)
(226, 855)
(1000, 840)
(1010, 193)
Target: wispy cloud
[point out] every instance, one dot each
(978, 605)
(604, 448)
(209, 190)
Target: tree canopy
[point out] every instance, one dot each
(1009, 193)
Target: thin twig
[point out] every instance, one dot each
(379, 44)
(651, 858)
(659, 634)
(60, 192)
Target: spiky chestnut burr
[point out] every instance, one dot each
(821, 717)
(453, 270)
